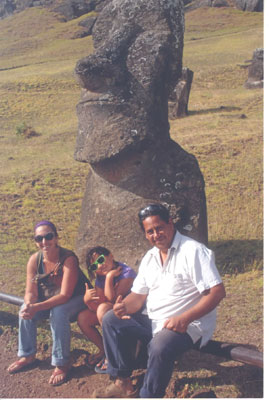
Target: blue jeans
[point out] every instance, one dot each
(120, 337)
(59, 318)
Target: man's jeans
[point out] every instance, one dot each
(59, 317)
(120, 337)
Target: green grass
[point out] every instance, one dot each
(40, 179)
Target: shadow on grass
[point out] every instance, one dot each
(11, 321)
(235, 256)
(7, 318)
(211, 371)
(214, 110)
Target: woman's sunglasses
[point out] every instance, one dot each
(48, 236)
(100, 260)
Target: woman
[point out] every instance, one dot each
(112, 279)
(65, 274)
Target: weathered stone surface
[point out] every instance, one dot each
(244, 5)
(74, 8)
(7, 8)
(124, 131)
(129, 77)
(255, 71)
(249, 5)
(87, 25)
(71, 9)
(206, 3)
(178, 101)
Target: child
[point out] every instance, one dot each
(112, 279)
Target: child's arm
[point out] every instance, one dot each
(93, 297)
(121, 288)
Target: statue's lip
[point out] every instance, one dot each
(100, 98)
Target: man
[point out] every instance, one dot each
(181, 288)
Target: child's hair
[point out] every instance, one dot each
(94, 250)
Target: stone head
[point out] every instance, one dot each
(127, 80)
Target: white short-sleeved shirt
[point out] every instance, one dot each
(178, 284)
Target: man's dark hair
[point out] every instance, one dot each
(151, 210)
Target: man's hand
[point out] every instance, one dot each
(177, 324)
(119, 309)
(207, 303)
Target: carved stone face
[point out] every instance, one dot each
(126, 82)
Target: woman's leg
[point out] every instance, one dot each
(60, 328)
(27, 333)
(27, 340)
(61, 334)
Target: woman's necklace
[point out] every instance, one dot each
(51, 266)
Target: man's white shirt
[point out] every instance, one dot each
(178, 284)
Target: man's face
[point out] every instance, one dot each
(158, 232)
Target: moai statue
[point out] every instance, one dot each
(255, 71)
(179, 98)
(123, 130)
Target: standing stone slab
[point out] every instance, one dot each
(255, 71)
(123, 130)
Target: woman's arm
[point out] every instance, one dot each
(69, 281)
(31, 292)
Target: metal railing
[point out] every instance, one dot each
(231, 351)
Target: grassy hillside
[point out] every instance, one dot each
(40, 179)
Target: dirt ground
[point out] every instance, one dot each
(195, 375)
(199, 375)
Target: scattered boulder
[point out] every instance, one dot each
(244, 5)
(74, 8)
(255, 71)
(7, 8)
(249, 5)
(206, 3)
(71, 9)
(123, 130)
(88, 23)
(179, 99)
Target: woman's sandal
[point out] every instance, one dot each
(20, 365)
(93, 359)
(101, 367)
(64, 371)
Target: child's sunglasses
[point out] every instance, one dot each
(100, 260)
(48, 236)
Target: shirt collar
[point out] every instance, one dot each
(177, 240)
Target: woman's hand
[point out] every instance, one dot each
(28, 312)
